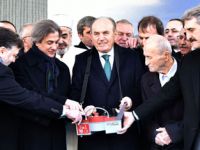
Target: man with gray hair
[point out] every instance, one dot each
(25, 35)
(124, 34)
(39, 70)
(185, 83)
(164, 128)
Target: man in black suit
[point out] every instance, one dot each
(13, 96)
(39, 70)
(103, 89)
(185, 83)
(164, 128)
(83, 29)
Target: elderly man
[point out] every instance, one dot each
(164, 128)
(185, 83)
(66, 51)
(172, 31)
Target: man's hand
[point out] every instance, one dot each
(127, 102)
(162, 138)
(128, 121)
(89, 110)
(73, 105)
(73, 114)
(132, 43)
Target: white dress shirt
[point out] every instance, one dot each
(164, 78)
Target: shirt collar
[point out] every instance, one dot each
(110, 53)
(170, 73)
(111, 58)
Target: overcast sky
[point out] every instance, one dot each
(133, 10)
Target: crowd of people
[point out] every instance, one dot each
(47, 83)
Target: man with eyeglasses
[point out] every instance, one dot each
(25, 35)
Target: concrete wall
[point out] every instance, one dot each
(20, 12)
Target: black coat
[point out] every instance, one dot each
(12, 95)
(169, 117)
(30, 72)
(185, 83)
(81, 45)
(105, 94)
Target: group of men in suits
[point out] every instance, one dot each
(185, 83)
(125, 72)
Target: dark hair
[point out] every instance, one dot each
(84, 22)
(42, 28)
(8, 22)
(8, 38)
(151, 21)
(177, 19)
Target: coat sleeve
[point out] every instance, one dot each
(175, 131)
(163, 98)
(12, 93)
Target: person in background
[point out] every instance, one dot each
(65, 42)
(83, 29)
(9, 25)
(147, 26)
(183, 44)
(66, 51)
(185, 83)
(25, 35)
(124, 34)
(172, 31)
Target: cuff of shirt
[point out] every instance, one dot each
(135, 116)
(64, 112)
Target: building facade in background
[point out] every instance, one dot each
(21, 12)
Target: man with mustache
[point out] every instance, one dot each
(184, 44)
(185, 83)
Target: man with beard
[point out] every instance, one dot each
(66, 52)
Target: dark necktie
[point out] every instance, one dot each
(107, 67)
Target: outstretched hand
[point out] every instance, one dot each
(128, 121)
